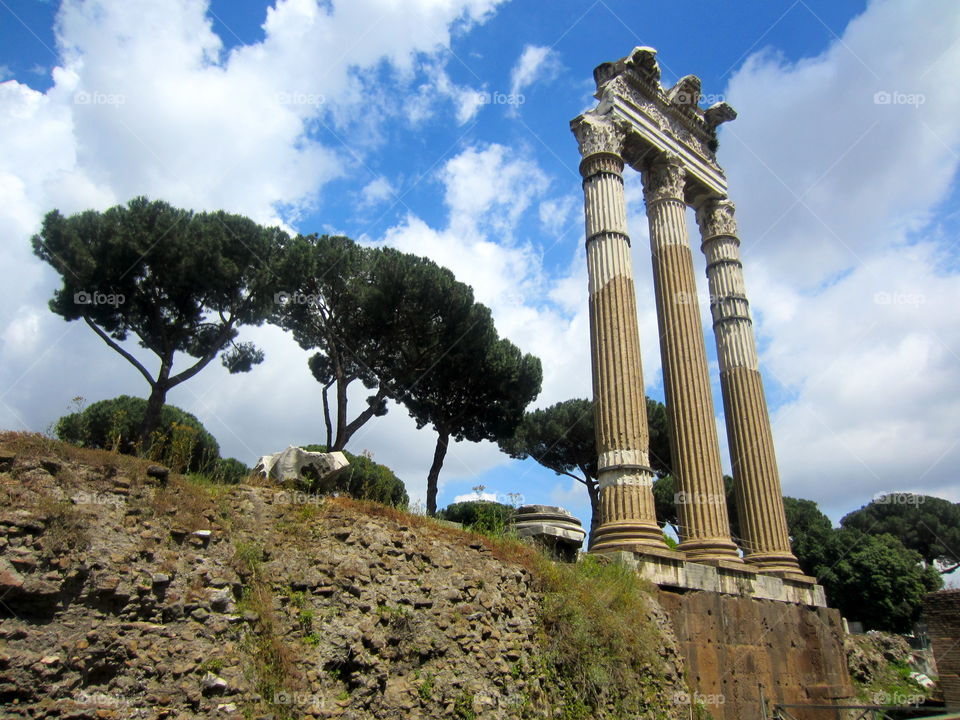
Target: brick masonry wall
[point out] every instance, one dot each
(941, 610)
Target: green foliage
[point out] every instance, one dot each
(665, 494)
(810, 532)
(230, 471)
(875, 579)
(599, 643)
(365, 479)
(928, 525)
(178, 281)
(326, 307)
(179, 441)
(490, 518)
(426, 684)
(870, 578)
(562, 438)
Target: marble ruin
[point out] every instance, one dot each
(665, 135)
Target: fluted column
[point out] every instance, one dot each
(701, 503)
(763, 522)
(627, 516)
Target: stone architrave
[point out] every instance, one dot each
(763, 522)
(700, 500)
(625, 479)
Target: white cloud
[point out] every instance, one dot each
(536, 63)
(853, 289)
(376, 191)
(470, 497)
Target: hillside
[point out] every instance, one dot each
(123, 596)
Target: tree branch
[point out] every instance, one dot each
(130, 358)
(202, 362)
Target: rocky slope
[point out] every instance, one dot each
(127, 596)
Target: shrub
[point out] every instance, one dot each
(479, 515)
(363, 480)
(180, 441)
(230, 471)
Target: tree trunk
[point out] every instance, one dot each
(360, 420)
(443, 440)
(151, 418)
(340, 442)
(326, 416)
(593, 490)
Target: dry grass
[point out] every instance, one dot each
(37, 445)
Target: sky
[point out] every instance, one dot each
(440, 127)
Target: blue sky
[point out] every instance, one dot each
(390, 122)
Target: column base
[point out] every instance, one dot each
(773, 563)
(627, 535)
(710, 550)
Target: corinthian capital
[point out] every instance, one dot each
(664, 179)
(716, 217)
(597, 134)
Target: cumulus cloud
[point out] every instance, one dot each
(376, 191)
(536, 63)
(839, 165)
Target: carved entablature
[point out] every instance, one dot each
(663, 120)
(716, 217)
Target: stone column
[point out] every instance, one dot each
(627, 517)
(701, 504)
(763, 522)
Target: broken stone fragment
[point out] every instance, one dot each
(213, 684)
(158, 473)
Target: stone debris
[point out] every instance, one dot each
(553, 527)
(289, 464)
(110, 611)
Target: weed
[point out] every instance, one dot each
(247, 558)
(213, 665)
(425, 687)
(463, 707)
(305, 619)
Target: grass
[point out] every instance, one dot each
(599, 641)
